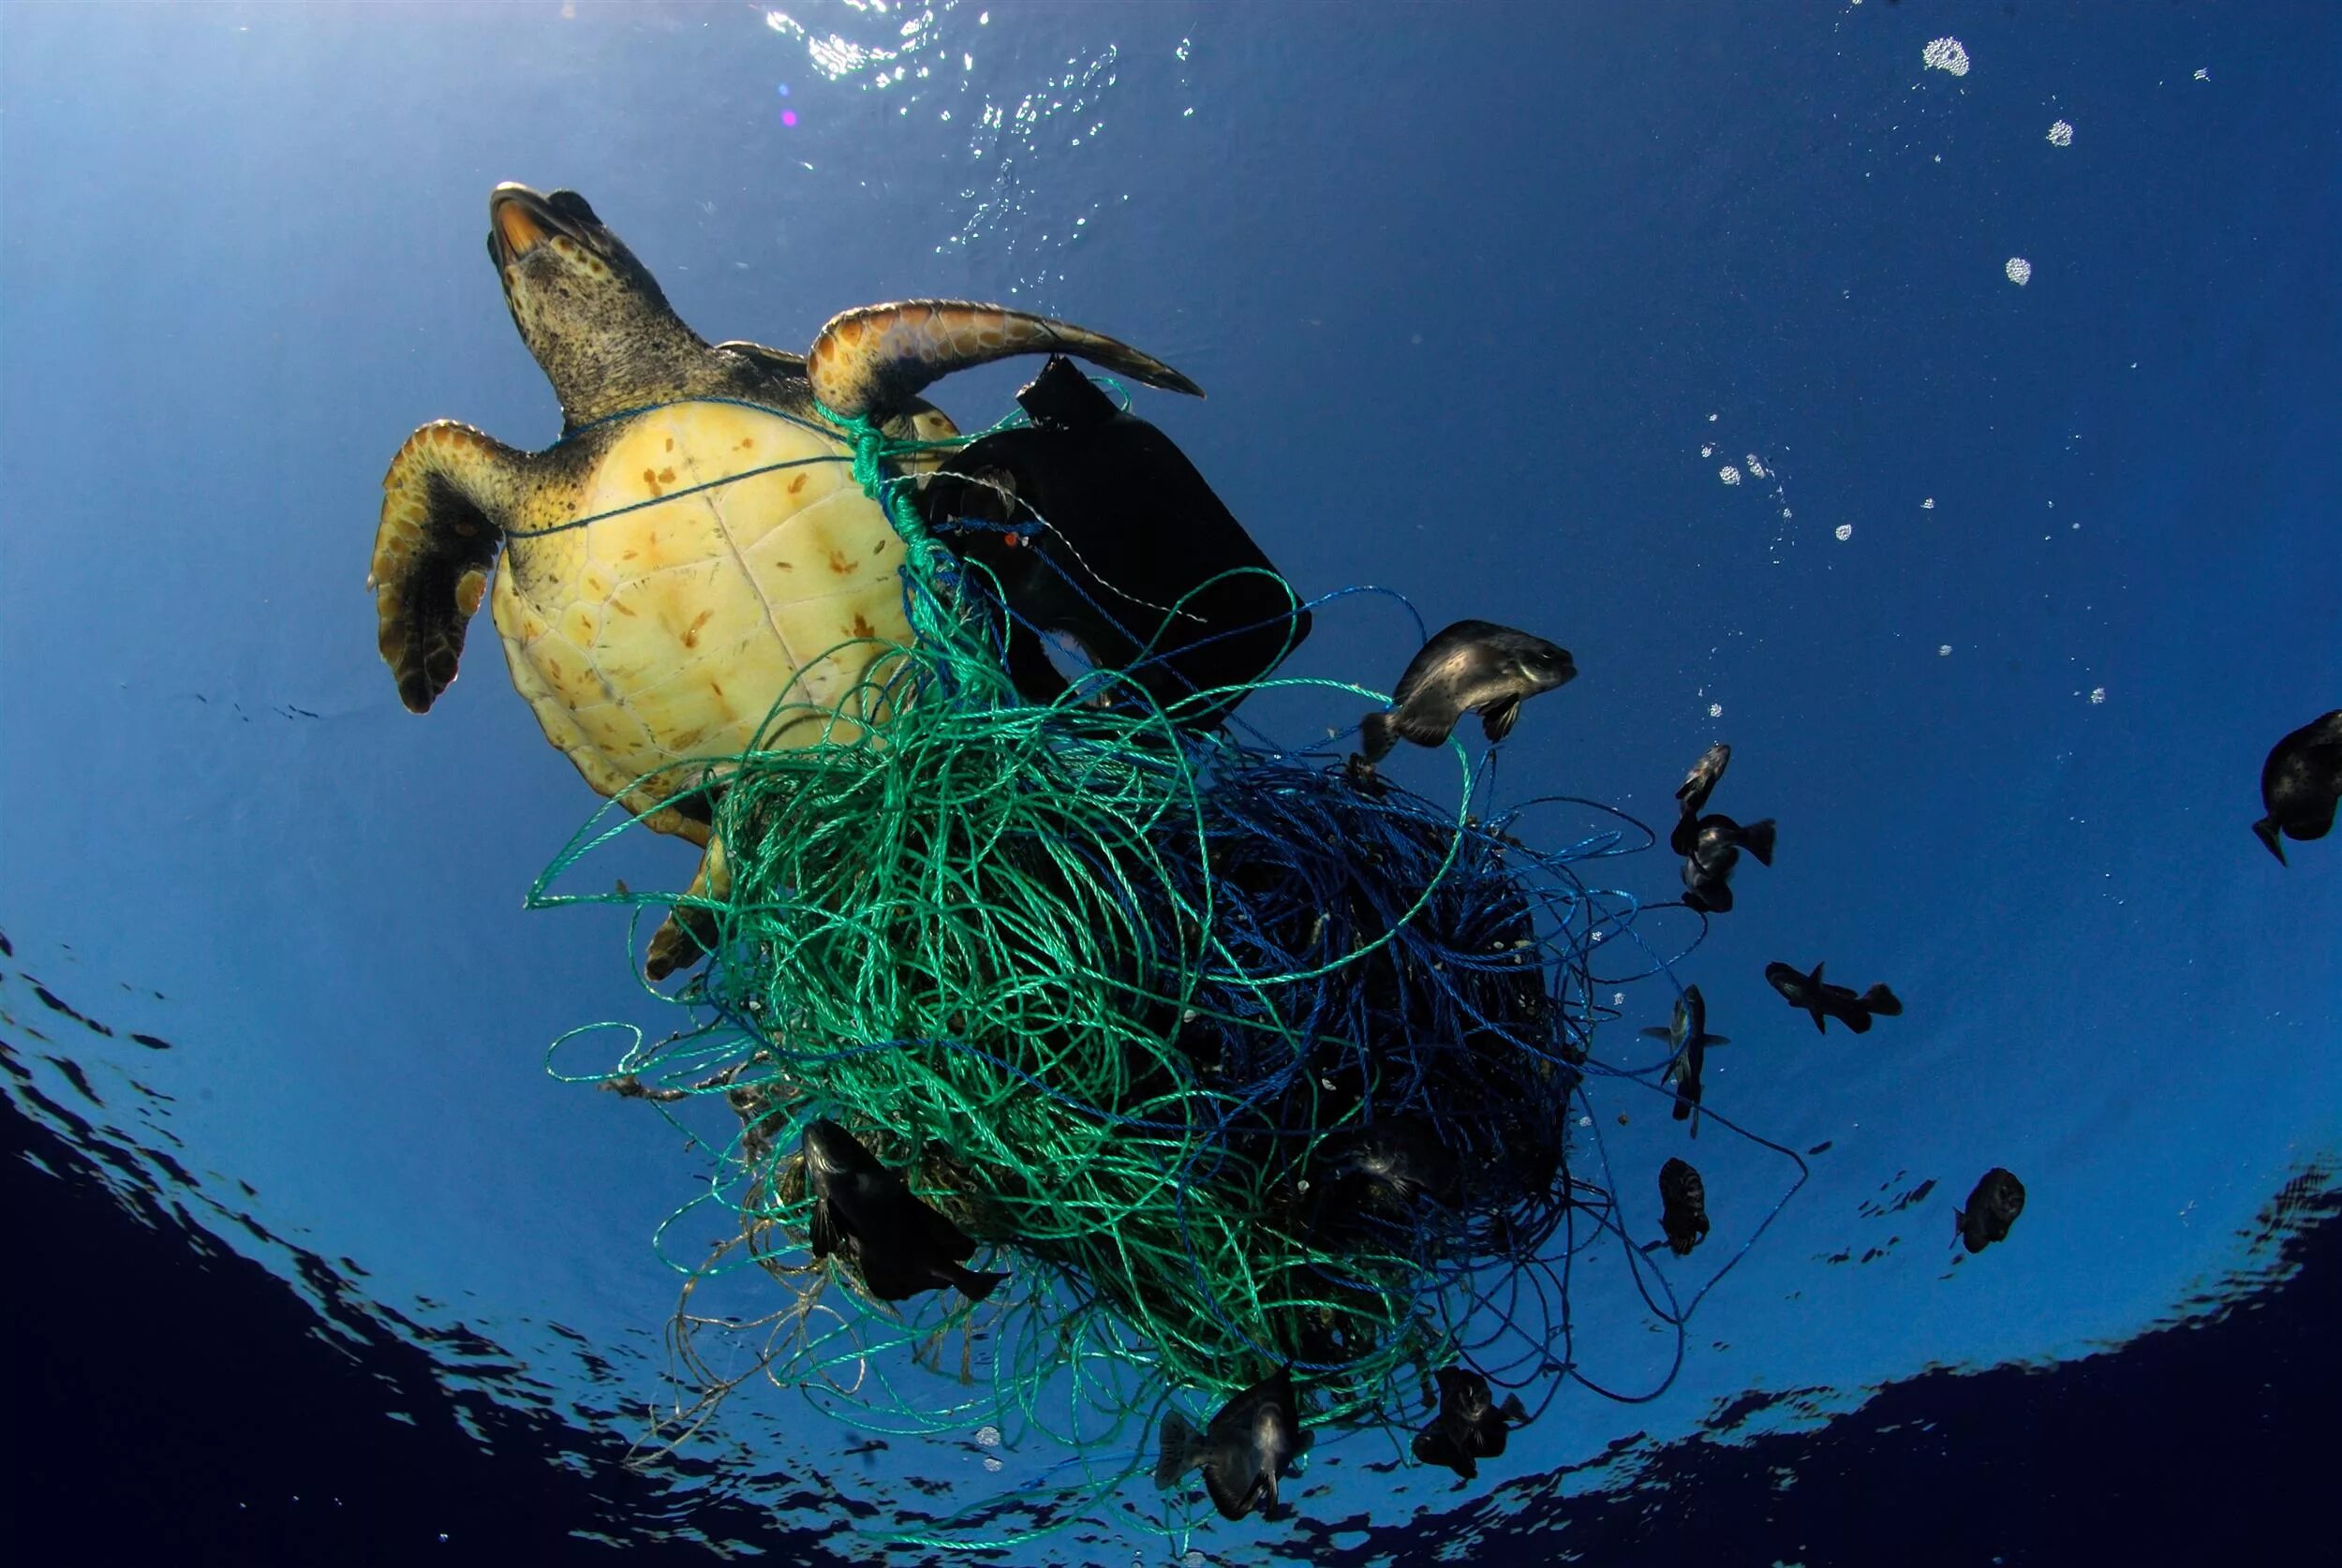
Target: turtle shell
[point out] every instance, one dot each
(728, 559)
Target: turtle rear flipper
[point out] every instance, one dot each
(872, 361)
(434, 548)
(689, 932)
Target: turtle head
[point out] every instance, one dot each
(595, 318)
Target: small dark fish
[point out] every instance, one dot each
(1823, 1001)
(1468, 1427)
(1382, 1173)
(2301, 783)
(1993, 1207)
(1683, 1207)
(1688, 1035)
(1248, 1446)
(863, 1209)
(1701, 781)
(1472, 667)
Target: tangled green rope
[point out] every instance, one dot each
(1110, 997)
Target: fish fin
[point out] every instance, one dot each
(1498, 718)
(1683, 1109)
(1375, 737)
(1757, 838)
(823, 1230)
(1655, 1032)
(973, 1286)
(2266, 829)
(1710, 897)
(1814, 979)
(1425, 727)
(1821, 1024)
(1709, 1042)
(1435, 1446)
(1512, 1410)
(1858, 1020)
(1180, 1450)
(1695, 1121)
(1879, 999)
(1232, 1505)
(1654, 1245)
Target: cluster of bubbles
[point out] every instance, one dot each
(1946, 54)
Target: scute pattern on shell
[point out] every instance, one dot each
(663, 633)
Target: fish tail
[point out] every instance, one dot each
(1879, 999)
(1374, 736)
(1180, 1451)
(1757, 838)
(975, 1286)
(2267, 830)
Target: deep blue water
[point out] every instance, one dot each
(1484, 302)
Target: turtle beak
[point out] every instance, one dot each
(519, 221)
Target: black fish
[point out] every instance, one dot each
(1248, 1446)
(1468, 1427)
(2301, 783)
(1472, 667)
(1993, 1207)
(1683, 1207)
(863, 1209)
(1688, 1035)
(1823, 1001)
(1701, 781)
(1383, 1173)
(1710, 847)
(1135, 560)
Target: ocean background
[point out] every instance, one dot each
(1977, 481)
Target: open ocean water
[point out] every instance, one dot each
(1936, 402)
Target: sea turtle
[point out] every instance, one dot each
(661, 631)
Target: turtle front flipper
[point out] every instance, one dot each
(442, 501)
(870, 363)
(689, 933)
